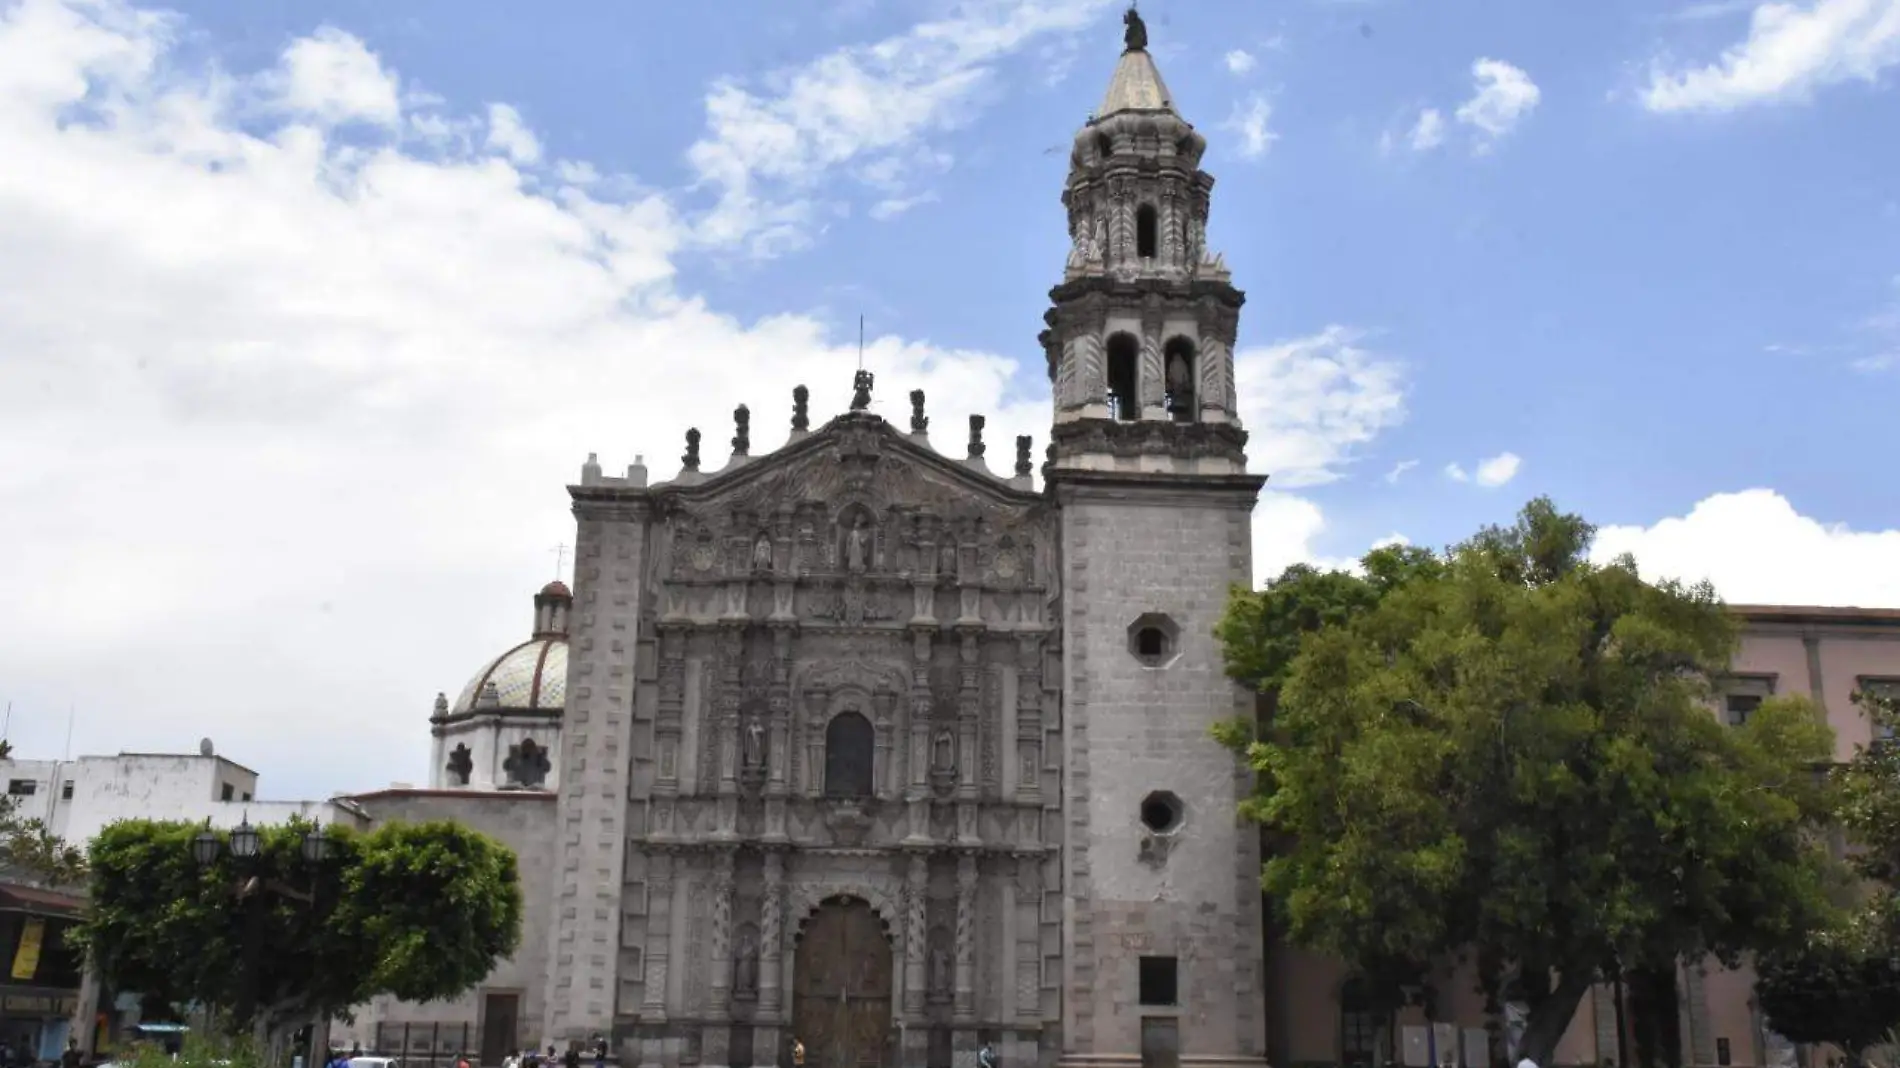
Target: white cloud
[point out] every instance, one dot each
(1240, 61)
(1312, 401)
(1497, 470)
(1249, 122)
(332, 77)
(1757, 549)
(287, 415)
(511, 137)
(1490, 473)
(1792, 49)
(1398, 470)
(1429, 131)
(1505, 94)
(766, 145)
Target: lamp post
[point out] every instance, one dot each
(245, 844)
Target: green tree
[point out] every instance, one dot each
(420, 911)
(1843, 987)
(1505, 752)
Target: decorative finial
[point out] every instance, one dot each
(861, 387)
(741, 431)
(1023, 466)
(976, 437)
(919, 422)
(1135, 37)
(691, 460)
(801, 409)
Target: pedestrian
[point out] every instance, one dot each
(70, 1058)
(461, 1060)
(986, 1057)
(600, 1052)
(572, 1058)
(798, 1053)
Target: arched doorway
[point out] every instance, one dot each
(841, 990)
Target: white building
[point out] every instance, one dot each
(79, 798)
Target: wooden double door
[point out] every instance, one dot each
(841, 987)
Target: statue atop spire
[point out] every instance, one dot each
(1135, 37)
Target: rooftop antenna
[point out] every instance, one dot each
(71, 713)
(6, 729)
(860, 341)
(560, 559)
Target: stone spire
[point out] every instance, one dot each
(1142, 328)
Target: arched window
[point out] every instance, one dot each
(849, 746)
(1103, 146)
(1359, 1026)
(1147, 231)
(1179, 370)
(1124, 376)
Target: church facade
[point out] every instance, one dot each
(880, 748)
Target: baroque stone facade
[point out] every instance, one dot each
(869, 745)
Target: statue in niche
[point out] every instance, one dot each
(745, 963)
(947, 559)
(754, 745)
(945, 756)
(857, 547)
(762, 554)
(1180, 381)
(1135, 35)
(1098, 244)
(527, 764)
(940, 977)
(461, 766)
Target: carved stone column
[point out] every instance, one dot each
(666, 724)
(1028, 948)
(731, 691)
(720, 890)
(916, 934)
(659, 934)
(815, 707)
(771, 932)
(917, 789)
(1029, 718)
(882, 756)
(969, 709)
(966, 937)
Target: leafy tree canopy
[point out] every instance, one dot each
(1843, 986)
(1506, 751)
(420, 911)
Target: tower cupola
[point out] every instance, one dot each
(1141, 334)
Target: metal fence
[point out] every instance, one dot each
(427, 1045)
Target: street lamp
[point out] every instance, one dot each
(245, 844)
(246, 841)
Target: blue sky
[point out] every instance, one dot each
(310, 310)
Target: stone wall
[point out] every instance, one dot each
(1166, 551)
(521, 820)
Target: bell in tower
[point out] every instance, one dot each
(1140, 337)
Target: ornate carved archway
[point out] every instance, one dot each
(843, 985)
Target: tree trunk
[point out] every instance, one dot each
(1550, 1017)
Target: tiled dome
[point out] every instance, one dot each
(531, 675)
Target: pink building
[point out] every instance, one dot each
(1314, 1015)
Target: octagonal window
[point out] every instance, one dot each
(1162, 812)
(1154, 639)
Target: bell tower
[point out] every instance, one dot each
(1161, 927)
(1140, 337)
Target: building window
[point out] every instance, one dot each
(1124, 376)
(1740, 706)
(226, 792)
(850, 745)
(1158, 981)
(22, 787)
(66, 790)
(461, 765)
(1153, 639)
(1161, 812)
(527, 764)
(1721, 1053)
(245, 796)
(1887, 688)
(1358, 1026)
(1147, 230)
